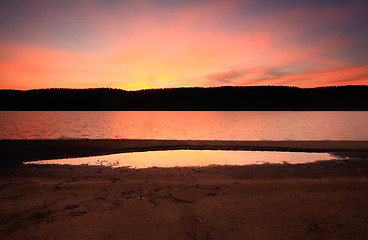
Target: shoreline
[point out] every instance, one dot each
(17, 151)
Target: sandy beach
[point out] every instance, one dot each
(321, 200)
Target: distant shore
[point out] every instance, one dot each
(17, 151)
(246, 98)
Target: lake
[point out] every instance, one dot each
(196, 125)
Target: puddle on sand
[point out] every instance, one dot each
(184, 158)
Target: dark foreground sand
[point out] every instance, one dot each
(323, 200)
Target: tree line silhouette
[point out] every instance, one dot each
(217, 98)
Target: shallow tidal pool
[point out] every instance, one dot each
(184, 158)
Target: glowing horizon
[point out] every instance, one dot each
(136, 45)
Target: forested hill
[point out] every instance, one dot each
(219, 98)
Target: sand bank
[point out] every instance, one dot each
(321, 200)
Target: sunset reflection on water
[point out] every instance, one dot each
(183, 158)
(185, 125)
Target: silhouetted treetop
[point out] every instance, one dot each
(197, 98)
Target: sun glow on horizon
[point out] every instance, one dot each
(192, 44)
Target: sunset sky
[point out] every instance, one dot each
(188, 43)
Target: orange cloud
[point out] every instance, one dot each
(351, 76)
(210, 43)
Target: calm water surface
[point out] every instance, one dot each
(205, 125)
(183, 158)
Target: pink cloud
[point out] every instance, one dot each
(188, 47)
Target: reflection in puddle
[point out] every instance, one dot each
(183, 158)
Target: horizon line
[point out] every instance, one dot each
(146, 89)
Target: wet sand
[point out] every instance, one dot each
(322, 200)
